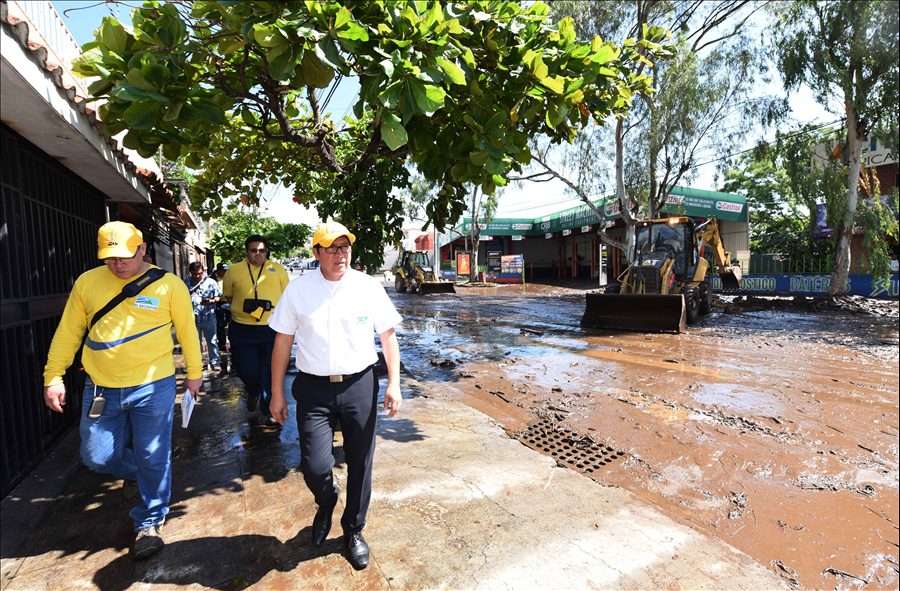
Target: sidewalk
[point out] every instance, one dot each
(457, 504)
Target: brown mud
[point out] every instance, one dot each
(772, 423)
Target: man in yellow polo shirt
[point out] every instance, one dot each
(128, 359)
(253, 287)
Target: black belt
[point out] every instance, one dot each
(335, 379)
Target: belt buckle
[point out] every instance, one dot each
(336, 378)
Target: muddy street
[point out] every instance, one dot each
(772, 424)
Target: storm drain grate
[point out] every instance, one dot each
(568, 447)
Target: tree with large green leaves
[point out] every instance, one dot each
(846, 51)
(458, 88)
(231, 229)
(704, 103)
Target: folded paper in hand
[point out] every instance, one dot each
(187, 406)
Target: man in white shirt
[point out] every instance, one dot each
(333, 312)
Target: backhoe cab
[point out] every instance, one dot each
(669, 284)
(412, 272)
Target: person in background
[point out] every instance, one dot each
(895, 264)
(333, 314)
(223, 317)
(128, 359)
(205, 294)
(253, 288)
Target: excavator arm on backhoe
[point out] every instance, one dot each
(730, 274)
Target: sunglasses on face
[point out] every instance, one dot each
(120, 260)
(256, 250)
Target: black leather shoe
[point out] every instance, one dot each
(358, 550)
(322, 521)
(251, 402)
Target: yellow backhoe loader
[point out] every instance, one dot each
(411, 272)
(669, 284)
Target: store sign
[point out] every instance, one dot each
(548, 235)
(567, 232)
(518, 237)
(585, 229)
(485, 238)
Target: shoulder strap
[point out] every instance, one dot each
(130, 290)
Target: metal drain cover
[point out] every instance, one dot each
(567, 447)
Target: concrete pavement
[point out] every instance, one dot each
(457, 504)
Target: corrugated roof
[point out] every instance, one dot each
(32, 41)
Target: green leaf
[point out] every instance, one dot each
(228, 46)
(172, 151)
(429, 98)
(605, 55)
(555, 84)
(496, 120)
(343, 17)
(172, 111)
(453, 72)
(315, 73)
(353, 32)
(478, 158)
(499, 180)
(538, 67)
(328, 54)
(135, 78)
(113, 35)
(494, 166)
(127, 92)
(392, 131)
(269, 35)
(99, 87)
(388, 67)
(208, 110)
(156, 75)
(142, 115)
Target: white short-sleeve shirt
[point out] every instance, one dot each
(333, 321)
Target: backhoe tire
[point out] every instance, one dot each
(706, 295)
(614, 288)
(399, 284)
(691, 303)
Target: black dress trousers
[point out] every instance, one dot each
(320, 405)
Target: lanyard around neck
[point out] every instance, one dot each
(258, 275)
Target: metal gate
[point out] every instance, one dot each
(48, 237)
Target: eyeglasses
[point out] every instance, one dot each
(255, 250)
(345, 248)
(120, 260)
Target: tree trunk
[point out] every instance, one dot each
(841, 271)
(476, 236)
(624, 208)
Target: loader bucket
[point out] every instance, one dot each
(637, 313)
(731, 279)
(429, 287)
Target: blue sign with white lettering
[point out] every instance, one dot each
(814, 285)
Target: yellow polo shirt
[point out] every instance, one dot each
(238, 284)
(132, 344)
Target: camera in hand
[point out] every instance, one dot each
(251, 305)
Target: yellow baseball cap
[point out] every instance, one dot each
(329, 232)
(118, 240)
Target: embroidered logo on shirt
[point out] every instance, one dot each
(362, 319)
(271, 270)
(146, 303)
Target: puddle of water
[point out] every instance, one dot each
(665, 365)
(660, 410)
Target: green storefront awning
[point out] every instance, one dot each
(681, 201)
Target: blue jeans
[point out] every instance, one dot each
(142, 414)
(207, 330)
(251, 357)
